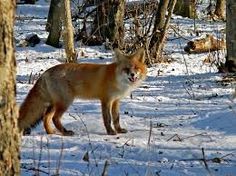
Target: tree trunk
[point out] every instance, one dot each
(108, 23)
(186, 8)
(162, 38)
(54, 25)
(68, 33)
(159, 22)
(231, 35)
(220, 9)
(9, 133)
(117, 23)
(160, 28)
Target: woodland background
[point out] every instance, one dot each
(181, 121)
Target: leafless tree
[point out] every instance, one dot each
(220, 9)
(186, 8)
(68, 32)
(108, 22)
(160, 29)
(54, 24)
(60, 22)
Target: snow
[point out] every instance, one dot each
(182, 110)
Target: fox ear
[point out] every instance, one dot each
(119, 56)
(140, 55)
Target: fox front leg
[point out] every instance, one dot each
(106, 113)
(116, 117)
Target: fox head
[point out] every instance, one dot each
(131, 68)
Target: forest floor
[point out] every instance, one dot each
(181, 121)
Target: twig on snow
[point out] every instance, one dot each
(205, 162)
(87, 132)
(105, 169)
(150, 133)
(175, 135)
(60, 159)
(35, 170)
(183, 138)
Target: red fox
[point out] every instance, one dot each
(58, 86)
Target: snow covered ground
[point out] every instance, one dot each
(181, 121)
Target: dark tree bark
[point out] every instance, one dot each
(9, 133)
(159, 22)
(30, 1)
(186, 8)
(231, 35)
(60, 16)
(54, 23)
(108, 23)
(220, 9)
(159, 32)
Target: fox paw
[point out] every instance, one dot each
(111, 132)
(122, 130)
(68, 133)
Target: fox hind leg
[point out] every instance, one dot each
(60, 109)
(47, 120)
(116, 117)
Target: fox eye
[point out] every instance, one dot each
(126, 70)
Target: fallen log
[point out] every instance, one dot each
(206, 44)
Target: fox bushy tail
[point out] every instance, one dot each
(32, 109)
